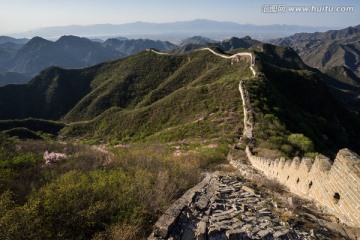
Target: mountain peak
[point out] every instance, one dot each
(35, 43)
(71, 38)
(198, 40)
(37, 40)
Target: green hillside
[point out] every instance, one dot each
(290, 98)
(201, 86)
(49, 95)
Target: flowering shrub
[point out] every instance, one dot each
(53, 157)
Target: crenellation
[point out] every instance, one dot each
(282, 163)
(349, 159)
(288, 163)
(323, 163)
(295, 163)
(319, 180)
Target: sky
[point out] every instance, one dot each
(24, 15)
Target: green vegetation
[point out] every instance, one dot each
(294, 112)
(205, 87)
(164, 120)
(91, 194)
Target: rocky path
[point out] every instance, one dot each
(228, 209)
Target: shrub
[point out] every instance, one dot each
(288, 149)
(301, 142)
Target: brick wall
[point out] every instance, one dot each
(336, 187)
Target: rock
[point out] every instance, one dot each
(162, 227)
(219, 218)
(218, 236)
(201, 231)
(213, 231)
(264, 224)
(255, 229)
(247, 226)
(188, 235)
(237, 235)
(231, 211)
(237, 225)
(202, 202)
(183, 217)
(249, 219)
(266, 213)
(281, 234)
(226, 190)
(264, 234)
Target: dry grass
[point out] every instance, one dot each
(225, 168)
(269, 184)
(120, 232)
(268, 153)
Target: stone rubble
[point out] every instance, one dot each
(234, 212)
(227, 208)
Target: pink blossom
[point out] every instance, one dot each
(53, 157)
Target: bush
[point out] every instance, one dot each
(288, 149)
(301, 142)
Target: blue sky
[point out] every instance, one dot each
(23, 15)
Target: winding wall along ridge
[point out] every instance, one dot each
(333, 186)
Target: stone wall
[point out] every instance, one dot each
(167, 221)
(334, 186)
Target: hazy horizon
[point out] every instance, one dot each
(19, 16)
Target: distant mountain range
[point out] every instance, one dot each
(133, 46)
(13, 78)
(327, 49)
(19, 62)
(166, 31)
(67, 52)
(336, 53)
(6, 39)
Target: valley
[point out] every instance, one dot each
(336, 54)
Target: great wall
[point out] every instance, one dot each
(333, 186)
